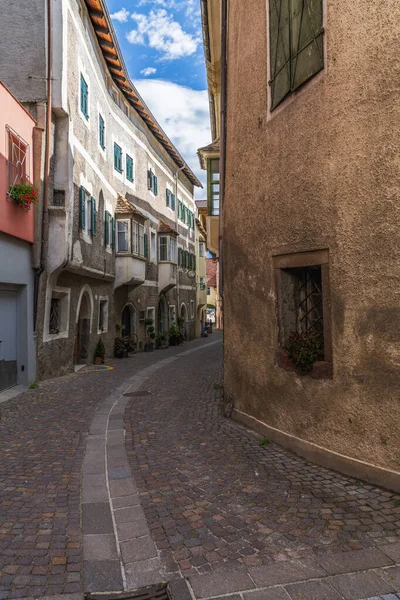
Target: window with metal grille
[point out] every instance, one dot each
(18, 158)
(55, 316)
(296, 45)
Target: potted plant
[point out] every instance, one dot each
(119, 327)
(162, 340)
(120, 350)
(150, 333)
(303, 350)
(23, 194)
(176, 336)
(99, 353)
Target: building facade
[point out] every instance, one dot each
(121, 234)
(18, 155)
(310, 228)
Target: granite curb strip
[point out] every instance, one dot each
(118, 551)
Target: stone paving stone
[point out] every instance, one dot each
(119, 472)
(126, 515)
(356, 586)
(102, 576)
(99, 547)
(217, 584)
(312, 590)
(285, 572)
(138, 549)
(179, 590)
(94, 494)
(391, 575)
(93, 479)
(392, 550)
(139, 574)
(135, 529)
(358, 560)
(276, 593)
(126, 501)
(121, 487)
(96, 518)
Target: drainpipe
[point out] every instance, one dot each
(46, 177)
(224, 70)
(177, 267)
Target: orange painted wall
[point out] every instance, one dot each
(14, 220)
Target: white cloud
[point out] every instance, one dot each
(121, 15)
(148, 71)
(158, 30)
(183, 114)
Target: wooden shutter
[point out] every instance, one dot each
(107, 228)
(82, 208)
(112, 232)
(179, 257)
(279, 42)
(93, 229)
(149, 179)
(155, 185)
(173, 201)
(307, 48)
(146, 245)
(194, 262)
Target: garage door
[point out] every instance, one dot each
(8, 339)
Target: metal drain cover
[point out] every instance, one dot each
(137, 394)
(154, 592)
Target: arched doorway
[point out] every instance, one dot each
(162, 315)
(83, 329)
(128, 320)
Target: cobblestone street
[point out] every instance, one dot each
(184, 494)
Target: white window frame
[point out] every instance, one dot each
(64, 295)
(103, 300)
(129, 236)
(135, 237)
(171, 253)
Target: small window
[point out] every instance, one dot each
(55, 316)
(167, 248)
(103, 316)
(135, 237)
(213, 186)
(117, 158)
(87, 212)
(18, 158)
(168, 197)
(202, 283)
(84, 98)
(192, 309)
(114, 95)
(172, 315)
(141, 241)
(109, 230)
(202, 249)
(102, 133)
(151, 313)
(303, 297)
(208, 291)
(123, 244)
(152, 182)
(296, 45)
(129, 168)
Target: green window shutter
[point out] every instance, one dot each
(279, 36)
(167, 197)
(82, 208)
(155, 185)
(179, 257)
(117, 158)
(101, 132)
(107, 228)
(112, 232)
(194, 262)
(93, 228)
(179, 209)
(146, 245)
(149, 179)
(129, 168)
(84, 97)
(173, 201)
(307, 49)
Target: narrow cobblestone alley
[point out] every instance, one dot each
(183, 495)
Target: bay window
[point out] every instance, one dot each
(123, 243)
(167, 248)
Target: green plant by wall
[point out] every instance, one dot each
(33, 385)
(100, 349)
(304, 349)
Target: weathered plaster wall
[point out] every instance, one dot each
(320, 172)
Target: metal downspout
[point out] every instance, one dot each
(46, 177)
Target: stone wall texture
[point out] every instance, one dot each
(320, 172)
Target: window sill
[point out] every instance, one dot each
(131, 255)
(321, 369)
(57, 211)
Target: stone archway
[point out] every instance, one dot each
(162, 315)
(83, 329)
(128, 319)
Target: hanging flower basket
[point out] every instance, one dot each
(24, 194)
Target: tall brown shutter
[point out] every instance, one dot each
(279, 43)
(306, 40)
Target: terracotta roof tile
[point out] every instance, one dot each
(124, 207)
(165, 228)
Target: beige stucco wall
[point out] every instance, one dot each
(323, 172)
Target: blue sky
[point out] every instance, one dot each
(162, 46)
